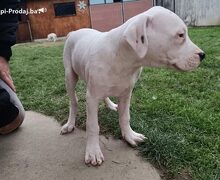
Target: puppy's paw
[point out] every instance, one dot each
(133, 138)
(67, 128)
(113, 106)
(94, 155)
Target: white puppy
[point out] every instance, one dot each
(52, 37)
(111, 62)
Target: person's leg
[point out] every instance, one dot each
(11, 110)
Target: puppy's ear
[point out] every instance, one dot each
(136, 35)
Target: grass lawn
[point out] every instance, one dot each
(178, 112)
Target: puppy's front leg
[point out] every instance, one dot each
(128, 134)
(93, 151)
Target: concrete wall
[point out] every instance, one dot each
(199, 12)
(194, 12)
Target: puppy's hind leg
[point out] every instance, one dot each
(110, 104)
(71, 79)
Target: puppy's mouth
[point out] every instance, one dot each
(177, 68)
(173, 65)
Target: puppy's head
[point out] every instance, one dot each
(160, 39)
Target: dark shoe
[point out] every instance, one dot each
(11, 126)
(11, 110)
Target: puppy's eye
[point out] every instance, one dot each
(181, 35)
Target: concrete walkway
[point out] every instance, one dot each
(36, 151)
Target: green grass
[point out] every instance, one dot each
(178, 112)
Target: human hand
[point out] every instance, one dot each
(5, 73)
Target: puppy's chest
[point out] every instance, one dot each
(112, 84)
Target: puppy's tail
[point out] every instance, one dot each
(71, 77)
(67, 53)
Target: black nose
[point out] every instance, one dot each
(201, 56)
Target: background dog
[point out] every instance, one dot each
(52, 37)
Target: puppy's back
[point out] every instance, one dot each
(86, 34)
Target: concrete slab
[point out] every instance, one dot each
(36, 151)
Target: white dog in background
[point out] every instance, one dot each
(110, 64)
(52, 37)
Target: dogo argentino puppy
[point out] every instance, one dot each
(110, 64)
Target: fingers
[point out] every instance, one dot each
(6, 77)
(5, 73)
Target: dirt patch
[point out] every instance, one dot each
(218, 57)
(42, 44)
(48, 44)
(184, 175)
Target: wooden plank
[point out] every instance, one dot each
(23, 34)
(169, 4)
